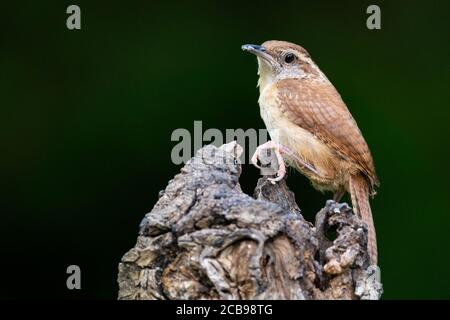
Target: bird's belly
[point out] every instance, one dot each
(304, 145)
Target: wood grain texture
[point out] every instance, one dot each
(206, 239)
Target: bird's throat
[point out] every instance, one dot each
(266, 75)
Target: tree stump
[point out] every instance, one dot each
(206, 239)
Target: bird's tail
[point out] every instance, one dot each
(359, 192)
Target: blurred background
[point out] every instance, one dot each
(86, 119)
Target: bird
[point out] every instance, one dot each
(312, 130)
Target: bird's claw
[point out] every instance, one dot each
(281, 166)
(278, 178)
(254, 159)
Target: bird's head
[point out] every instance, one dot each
(279, 60)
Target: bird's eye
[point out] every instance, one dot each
(290, 57)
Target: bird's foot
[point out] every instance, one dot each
(278, 149)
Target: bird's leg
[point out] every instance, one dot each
(264, 146)
(338, 195)
(281, 165)
(278, 149)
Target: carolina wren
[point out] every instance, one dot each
(312, 129)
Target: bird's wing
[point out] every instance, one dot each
(318, 108)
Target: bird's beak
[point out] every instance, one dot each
(259, 51)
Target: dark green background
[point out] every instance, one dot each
(86, 119)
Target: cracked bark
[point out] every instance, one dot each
(206, 239)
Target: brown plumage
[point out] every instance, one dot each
(304, 113)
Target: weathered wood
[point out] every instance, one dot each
(206, 239)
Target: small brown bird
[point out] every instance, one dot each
(312, 128)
